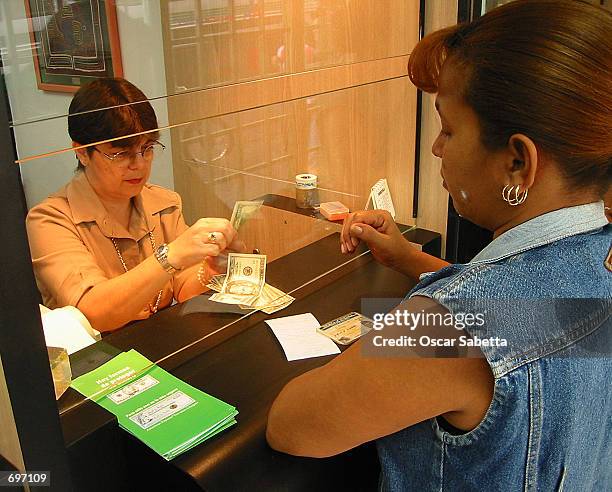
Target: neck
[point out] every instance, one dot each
(119, 209)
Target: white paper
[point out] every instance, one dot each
(68, 328)
(381, 196)
(299, 338)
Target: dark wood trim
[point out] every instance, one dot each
(22, 344)
(419, 112)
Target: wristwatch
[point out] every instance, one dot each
(161, 254)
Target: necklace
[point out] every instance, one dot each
(153, 245)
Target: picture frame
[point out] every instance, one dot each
(73, 42)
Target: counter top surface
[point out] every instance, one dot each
(237, 359)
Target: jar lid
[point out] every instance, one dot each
(306, 179)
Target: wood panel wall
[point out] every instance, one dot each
(433, 198)
(264, 90)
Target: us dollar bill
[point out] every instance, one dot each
(216, 282)
(243, 211)
(162, 410)
(277, 307)
(244, 281)
(270, 300)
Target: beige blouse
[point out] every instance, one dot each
(70, 240)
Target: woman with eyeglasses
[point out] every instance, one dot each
(108, 242)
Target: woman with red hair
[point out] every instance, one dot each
(525, 101)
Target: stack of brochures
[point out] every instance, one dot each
(165, 413)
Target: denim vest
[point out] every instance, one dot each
(544, 288)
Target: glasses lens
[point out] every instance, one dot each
(121, 158)
(151, 150)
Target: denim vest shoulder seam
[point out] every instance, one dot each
(455, 281)
(535, 426)
(442, 453)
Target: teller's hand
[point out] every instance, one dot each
(207, 237)
(218, 264)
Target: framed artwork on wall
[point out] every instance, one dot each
(73, 42)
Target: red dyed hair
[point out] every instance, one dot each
(538, 67)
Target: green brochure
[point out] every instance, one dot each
(165, 413)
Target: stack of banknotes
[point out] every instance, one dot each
(245, 284)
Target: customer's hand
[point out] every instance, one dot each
(206, 238)
(380, 232)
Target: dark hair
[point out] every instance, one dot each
(538, 67)
(105, 109)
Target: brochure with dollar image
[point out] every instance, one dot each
(165, 413)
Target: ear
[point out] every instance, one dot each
(81, 154)
(522, 162)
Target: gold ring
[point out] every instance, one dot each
(212, 237)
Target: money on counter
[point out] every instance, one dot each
(216, 282)
(244, 281)
(270, 300)
(243, 211)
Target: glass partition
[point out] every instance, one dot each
(248, 94)
(172, 47)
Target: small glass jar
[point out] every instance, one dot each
(305, 190)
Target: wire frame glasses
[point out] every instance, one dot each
(125, 157)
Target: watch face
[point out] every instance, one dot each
(162, 250)
(162, 256)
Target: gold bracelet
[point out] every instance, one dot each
(202, 276)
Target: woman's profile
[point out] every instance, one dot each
(524, 96)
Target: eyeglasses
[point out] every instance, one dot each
(124, 157)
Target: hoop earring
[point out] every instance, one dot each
(517, 199)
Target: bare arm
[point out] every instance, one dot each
(355, 399)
